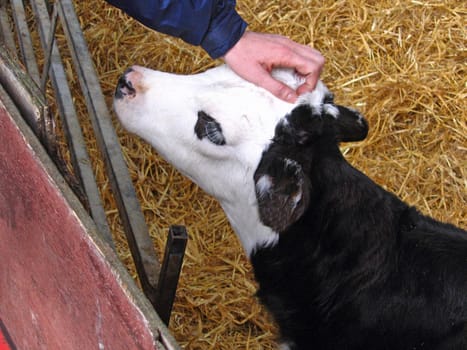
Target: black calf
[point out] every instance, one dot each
(355, 267)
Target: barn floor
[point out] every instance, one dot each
(401, 63)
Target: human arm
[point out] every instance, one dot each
(212, 24)
(221, 32)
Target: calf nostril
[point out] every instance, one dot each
(124, 86)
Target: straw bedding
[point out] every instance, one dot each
(400, 62)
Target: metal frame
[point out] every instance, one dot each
(158, 287)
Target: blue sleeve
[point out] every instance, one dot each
(213, 24)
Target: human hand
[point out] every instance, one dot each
(256, 54)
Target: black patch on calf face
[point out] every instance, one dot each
(208, 127)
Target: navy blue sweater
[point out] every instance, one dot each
(213, 24)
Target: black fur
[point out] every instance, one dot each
(358, 268)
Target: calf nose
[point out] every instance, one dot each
(125, 86)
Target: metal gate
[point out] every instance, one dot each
(158, 281)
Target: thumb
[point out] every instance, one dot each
(277, 88)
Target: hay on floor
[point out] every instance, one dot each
(402, 63)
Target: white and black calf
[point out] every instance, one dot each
(340, 262)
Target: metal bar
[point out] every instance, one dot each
(6, 32)
(79, 155)
(23, 91)
(24, 39)
(170, 271)
(48, 46)
(45, 125)
(49, 122)
(136, 230)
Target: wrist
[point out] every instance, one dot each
(226, 29)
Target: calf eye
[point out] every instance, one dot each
(208, 127)
(328, 98)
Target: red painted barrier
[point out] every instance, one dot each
(61, 287)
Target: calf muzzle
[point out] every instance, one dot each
(124, 86)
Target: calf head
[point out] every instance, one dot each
(216, 129)
(282, 178)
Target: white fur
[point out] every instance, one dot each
(285, 346)
(164, 112)
(331, 110)
(314, 98)
(263, 185)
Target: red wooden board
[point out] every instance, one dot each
(57, 289)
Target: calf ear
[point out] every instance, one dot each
(350, 125)
(282, 191)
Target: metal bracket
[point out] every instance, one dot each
(170, 271)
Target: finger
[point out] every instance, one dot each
(310, 71)
(302, 52)
(278, 89)
(309, 84)
(311, 65)
(307, 52)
